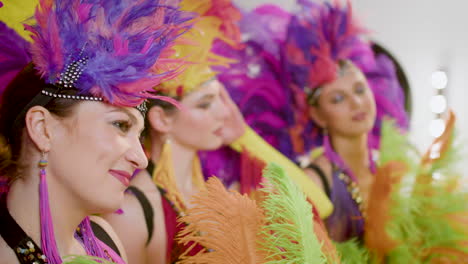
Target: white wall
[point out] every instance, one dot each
(424, 35)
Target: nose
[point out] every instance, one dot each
(356, 101)
(136, 155)
(222, 111)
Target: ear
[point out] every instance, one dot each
(38, 123)
(159, 119)
(317, 116)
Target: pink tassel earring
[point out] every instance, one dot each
(48, 243)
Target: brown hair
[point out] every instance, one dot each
(22, 93)
(168, 108)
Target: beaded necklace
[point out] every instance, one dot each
(346, 175)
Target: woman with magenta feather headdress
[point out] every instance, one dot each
(71, 118)
(173, 135)
(341, 92)
(313, 81)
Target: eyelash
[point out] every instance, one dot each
(204, 105)
(360, 89)
(337, 99)
(142, 139)
(122, 125)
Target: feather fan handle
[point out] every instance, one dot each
(225, 223)
(116, 44)
(289, 233)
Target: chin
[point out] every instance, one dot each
(110, 206)
(110, 202)
(212, 144)
(211, 147)
(356, 130)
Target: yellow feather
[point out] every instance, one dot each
(15, 13)
(194, 47)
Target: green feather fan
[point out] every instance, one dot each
(352, 252)
(428, 207)
(422, 206)
(289, 233)
(84, 260)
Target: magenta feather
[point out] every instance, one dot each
(122, 40)
(319, 36)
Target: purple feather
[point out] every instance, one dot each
(14, 55)
(269, 92)
(255, 83)
(121, 39)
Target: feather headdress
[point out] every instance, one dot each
(14, 55)
(319, 36)
(196, 46)
(105, 49)
(14, 47)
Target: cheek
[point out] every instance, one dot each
(193, 118)
(196, 129)
(336, 113)
(100, 146)
(81, 164)
(370, 106)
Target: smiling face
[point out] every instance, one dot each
(346, 106)
(198, 125)
(95, 151)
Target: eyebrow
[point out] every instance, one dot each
(130, 115)
(125, 111)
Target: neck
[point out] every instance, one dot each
(182, 159)
(23, 205)
(354, 152)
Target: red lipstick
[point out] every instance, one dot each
(123, 176)
(359, 117)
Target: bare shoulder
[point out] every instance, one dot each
(112, 234)
(156, 248)
(130, 228)
(6, 253)
(131, 225)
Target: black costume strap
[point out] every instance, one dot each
(100, 233)
(147, 210)
(323, 177)
(26, 250)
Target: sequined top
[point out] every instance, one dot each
(26, 250)
(346, 221)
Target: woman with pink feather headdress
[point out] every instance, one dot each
(71, 119)
(341, 93)
(173, 135)
(284, 74)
